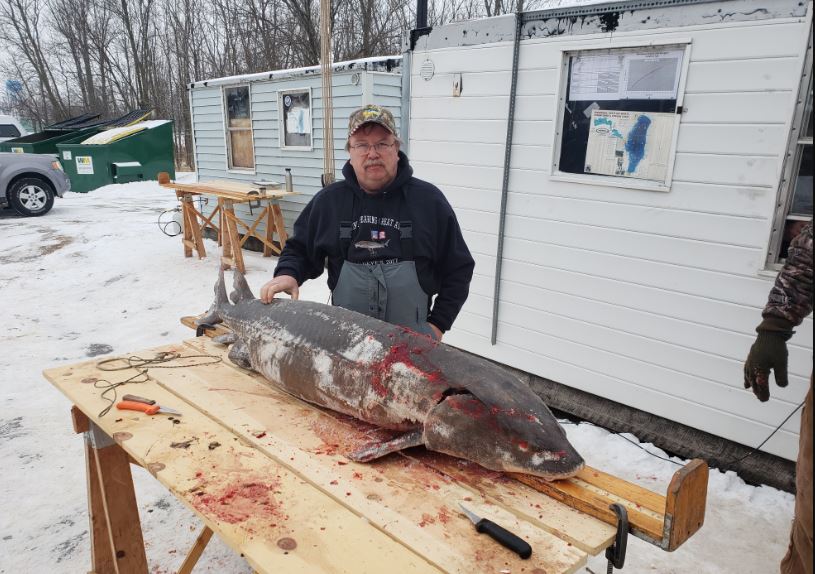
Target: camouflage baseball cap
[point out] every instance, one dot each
(371, 114)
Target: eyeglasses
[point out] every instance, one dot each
(380, 148)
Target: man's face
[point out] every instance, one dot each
(374, 169)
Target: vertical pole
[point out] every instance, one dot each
(505, 189)
(327, 102)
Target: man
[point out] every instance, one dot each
(789, 302)
(390, 241)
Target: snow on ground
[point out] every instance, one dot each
(97, 271)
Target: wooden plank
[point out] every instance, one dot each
(642, 524)
(79, 421)
(218, 329)
(232, 246)
(270, 515)
(546, 512)
(268, 236)
(685, 507)
(102, 561)
(195, 552)
(280, 227)
(125, 541)
(405, 498)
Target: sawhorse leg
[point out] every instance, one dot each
(195, 553)
(117, 545)
(232, 255)
(193, 238)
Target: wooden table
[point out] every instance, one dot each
(228, 194)
(267, 473)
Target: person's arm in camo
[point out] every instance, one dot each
(789, 302)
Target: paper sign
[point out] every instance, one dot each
(626, 75)
(67, 155)
(16, 150)
(84, 164)
(630, 144)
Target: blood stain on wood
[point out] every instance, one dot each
(122, 436)
(240, 500)
(287, 543)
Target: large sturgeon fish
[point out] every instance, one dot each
(395, 378)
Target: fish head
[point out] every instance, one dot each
(502, 439)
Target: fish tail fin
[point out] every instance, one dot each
(241, 291)
(213, 315)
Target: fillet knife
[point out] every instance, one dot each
(499, 534)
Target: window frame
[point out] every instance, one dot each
(796, 146)
(281, 120)
(228, 140)
(560, 103)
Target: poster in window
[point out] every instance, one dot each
(626, 75)
(629, 144)
(296, 119)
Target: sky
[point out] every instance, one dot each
(98, 273)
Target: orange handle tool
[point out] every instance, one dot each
(134, 406)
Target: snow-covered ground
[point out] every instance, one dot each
(97, 271)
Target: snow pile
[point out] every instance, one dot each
(97, 275)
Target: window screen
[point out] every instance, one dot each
(296, 118)
(619, 113)
(239, 128)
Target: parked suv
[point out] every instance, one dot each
(29, 182)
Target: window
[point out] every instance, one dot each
(794, 207)
(239, 140)
(9, 131)
(619, 117)
(295, 119)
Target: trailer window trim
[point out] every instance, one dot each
(798, 152)
(663, 185)
(229, 130)
(283, 120)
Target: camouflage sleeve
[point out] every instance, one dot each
(791, 296)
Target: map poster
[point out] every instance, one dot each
(630, 144)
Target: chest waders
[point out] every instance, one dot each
(387, 291)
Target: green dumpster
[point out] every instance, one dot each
(119, 155)
(46, 141)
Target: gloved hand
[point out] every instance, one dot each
(768, 353)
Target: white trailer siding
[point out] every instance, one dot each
(642, 297)
(351, 88)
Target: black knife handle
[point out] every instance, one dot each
(504, 537)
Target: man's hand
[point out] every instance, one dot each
(768, 353)
(437, 333)
(280, 284)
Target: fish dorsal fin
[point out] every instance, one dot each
(213, 315)
(241, 291)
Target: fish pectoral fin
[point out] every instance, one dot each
(225, 339)
(239, 355)
(378, 450)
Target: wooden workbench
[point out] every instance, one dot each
(267, 473)
(229, 226)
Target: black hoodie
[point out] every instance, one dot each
(443, 262)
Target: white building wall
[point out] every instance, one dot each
(642, 297)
